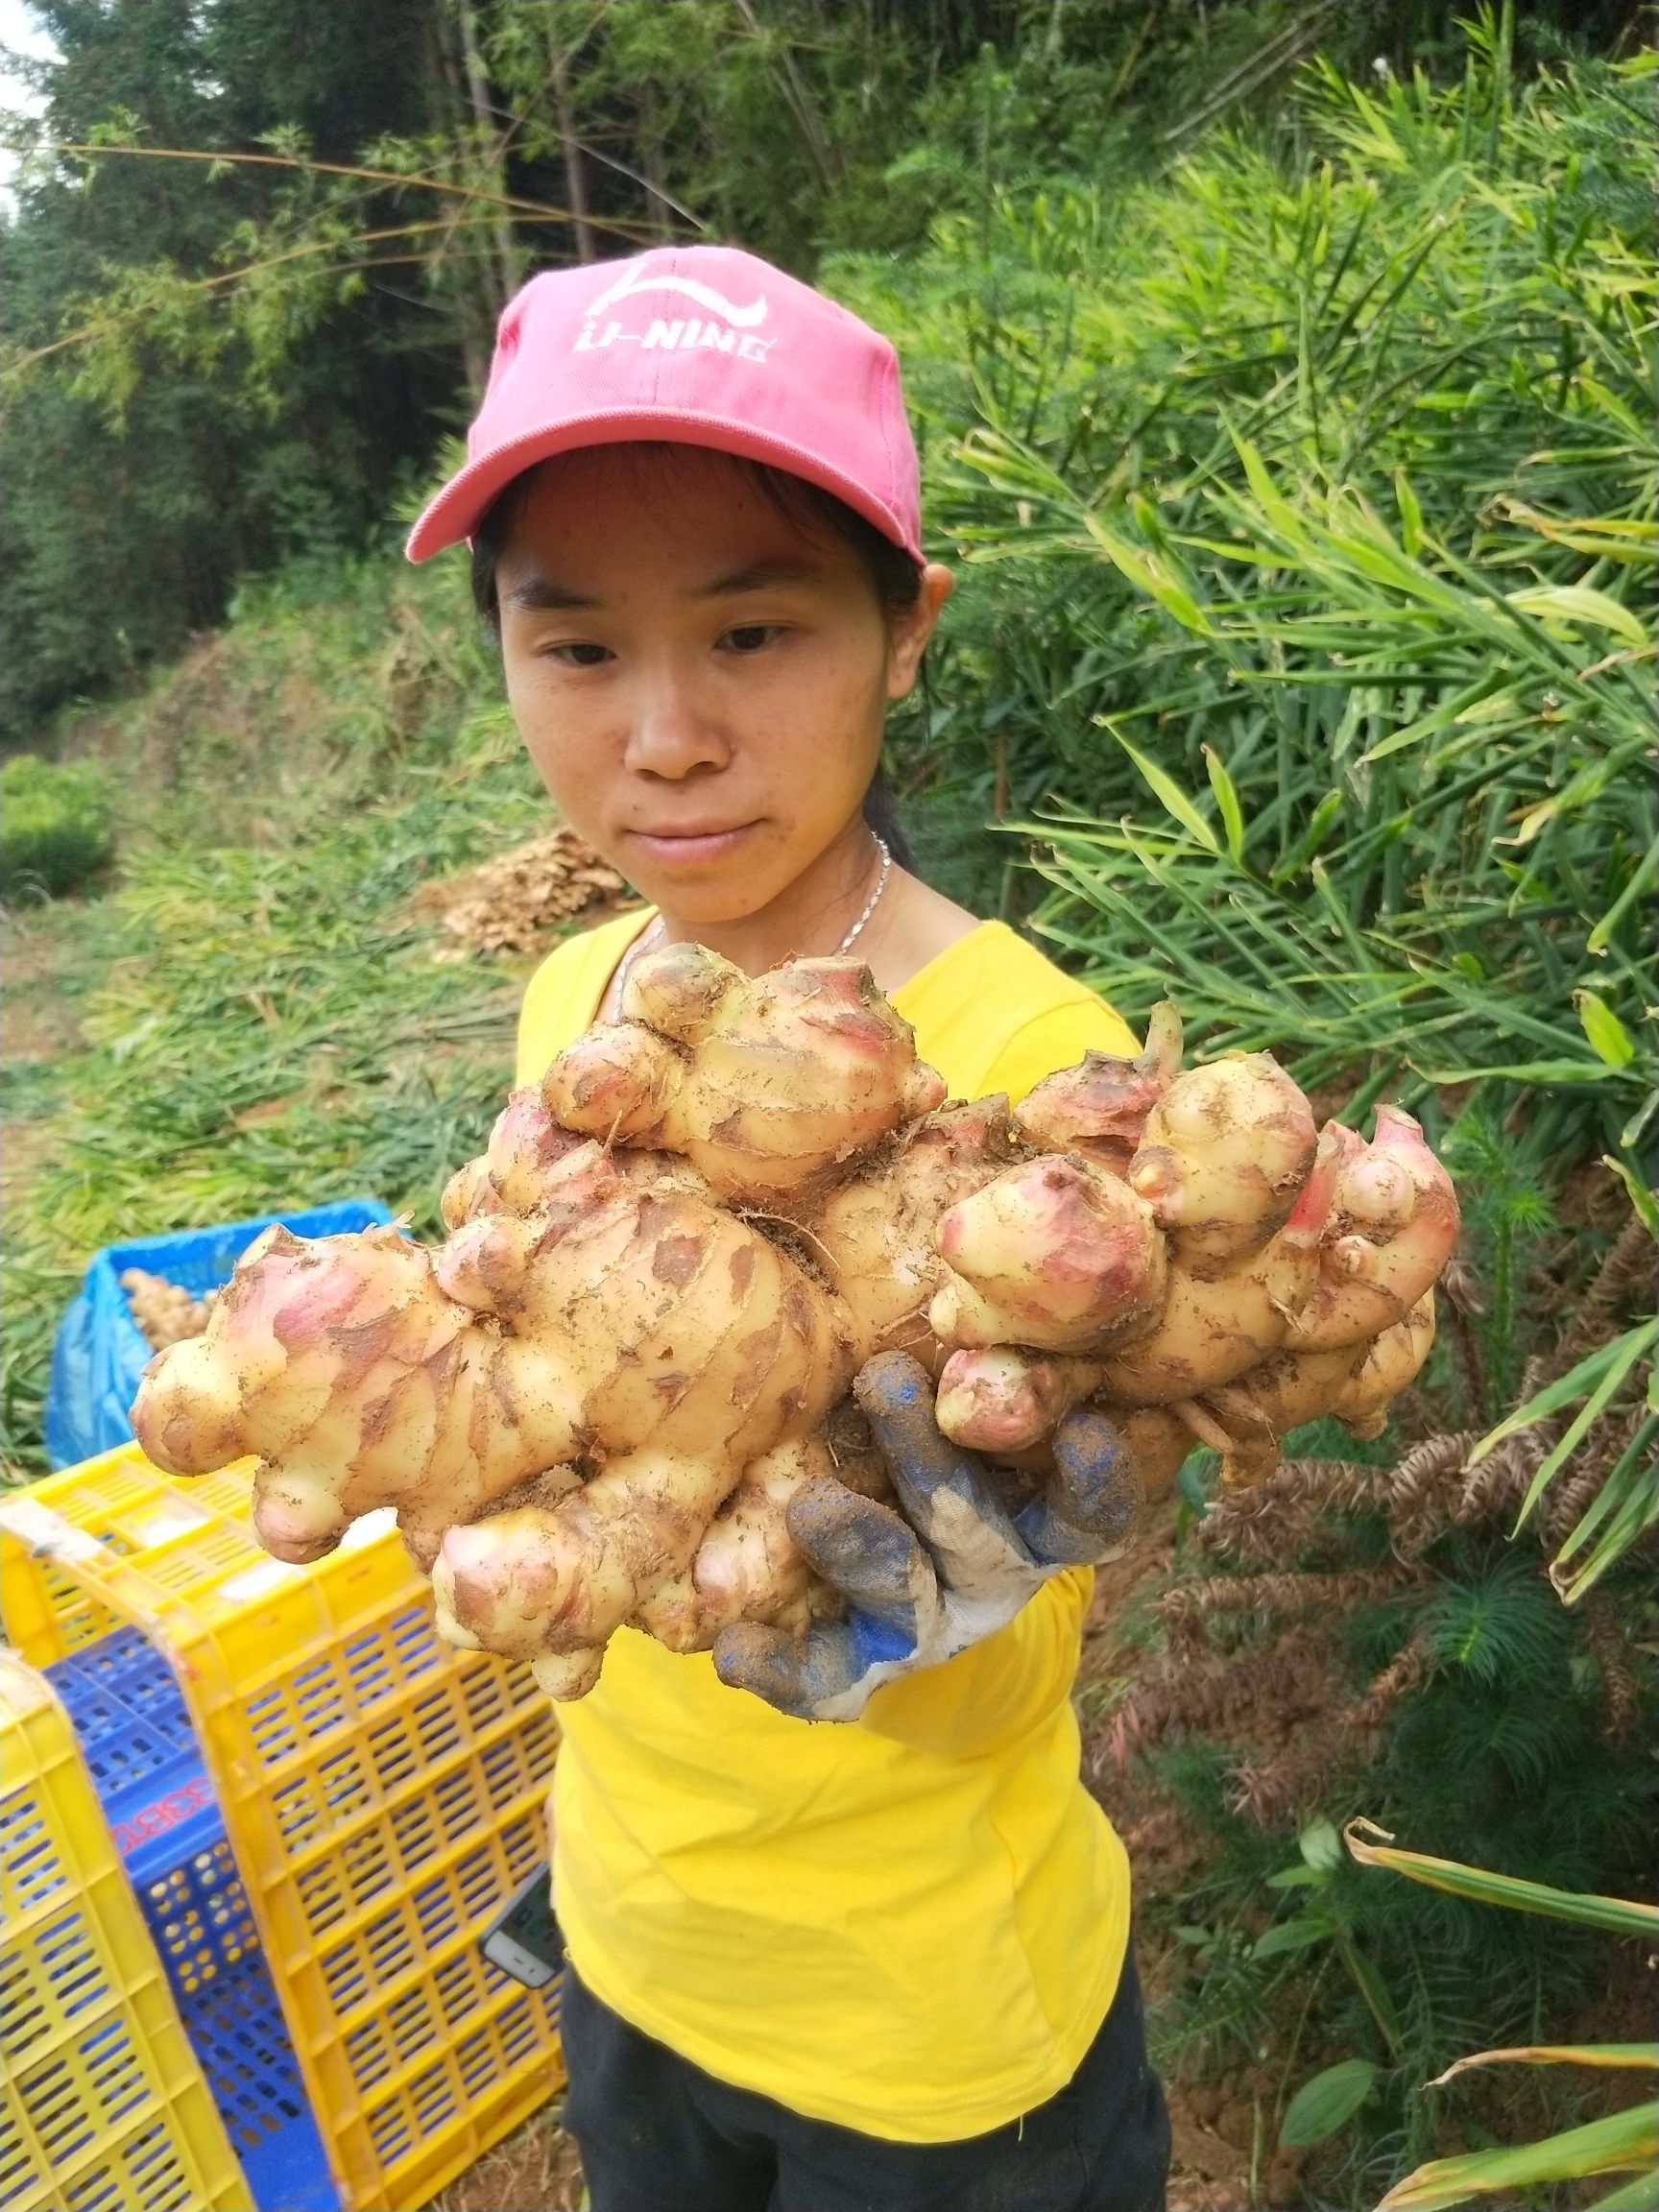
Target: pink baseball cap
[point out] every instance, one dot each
(702, 346)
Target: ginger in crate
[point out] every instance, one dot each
(165, 1313)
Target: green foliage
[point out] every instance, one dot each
(1327, 2101)
(265, 1022)
(1626, 1502)
(1618, 2143)
(1307, 506)
(258, 246)
(142, 476)
(56, 828)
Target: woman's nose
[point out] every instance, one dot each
(670, 735)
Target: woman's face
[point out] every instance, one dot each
(700, 682)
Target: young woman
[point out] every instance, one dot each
(883, 1961)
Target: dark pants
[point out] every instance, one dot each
(658, 2135)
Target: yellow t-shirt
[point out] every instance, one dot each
(911, 1925)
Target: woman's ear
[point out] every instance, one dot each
(909, 632)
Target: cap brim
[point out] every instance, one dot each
(456, 512)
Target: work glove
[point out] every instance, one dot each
(921, 1589)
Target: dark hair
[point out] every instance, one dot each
(895, 578)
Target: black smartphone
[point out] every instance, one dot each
(523, 1939)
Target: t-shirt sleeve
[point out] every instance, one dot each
(560, 997)
(1056, 1039)
(540, 1029)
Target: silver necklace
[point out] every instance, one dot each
(871, 903)
(643, 943)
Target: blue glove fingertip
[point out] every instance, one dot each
(877, 1643)
(1094, 1496)
(794, 1674)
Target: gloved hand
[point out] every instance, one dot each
(920, 1591)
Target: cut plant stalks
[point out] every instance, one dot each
(595, 1404)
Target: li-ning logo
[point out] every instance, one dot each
(726, 329)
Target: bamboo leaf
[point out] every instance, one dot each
(1638, 2056)
(1165, 787)
(1491, 690)
(1578, 603)
(1609, 1039)
(1598, 1372)
(1635, 1515)
(1520, 1072)
(1621, 1494)
(1621, 2143)
(1153, 573)
(1647, 875)
(1311, 840)
(1642, 1197)
(1227, 801)
(1411, 513)
(1617, 1915)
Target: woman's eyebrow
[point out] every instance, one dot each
(545, 595)
(756, 576)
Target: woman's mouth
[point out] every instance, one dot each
(694, 847)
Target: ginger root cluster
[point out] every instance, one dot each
(593, 1405)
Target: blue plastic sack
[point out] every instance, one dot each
(100, 1351)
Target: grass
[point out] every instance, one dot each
(260, 1020)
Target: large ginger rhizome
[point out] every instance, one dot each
(594, 1404)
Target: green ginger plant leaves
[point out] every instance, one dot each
(1621, 2143)
(1626, 1506)
(1309, 516)
(1439, 985)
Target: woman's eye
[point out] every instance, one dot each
(580, 653)
(749, 637)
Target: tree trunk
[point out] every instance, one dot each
(508, 266)
(570, 146)
(476, 302)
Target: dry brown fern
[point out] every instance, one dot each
(1256, 1652)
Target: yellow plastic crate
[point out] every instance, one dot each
(381, 1792)
(102, 2105)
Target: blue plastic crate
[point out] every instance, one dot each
(120, 1678)
(243, 2049)
(100, 1351)
(140, 1750)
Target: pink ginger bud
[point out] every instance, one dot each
(1099, 1108)
(1056, 1253)
(1226, 1151)
(616, 1083)
(1006, 1399)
